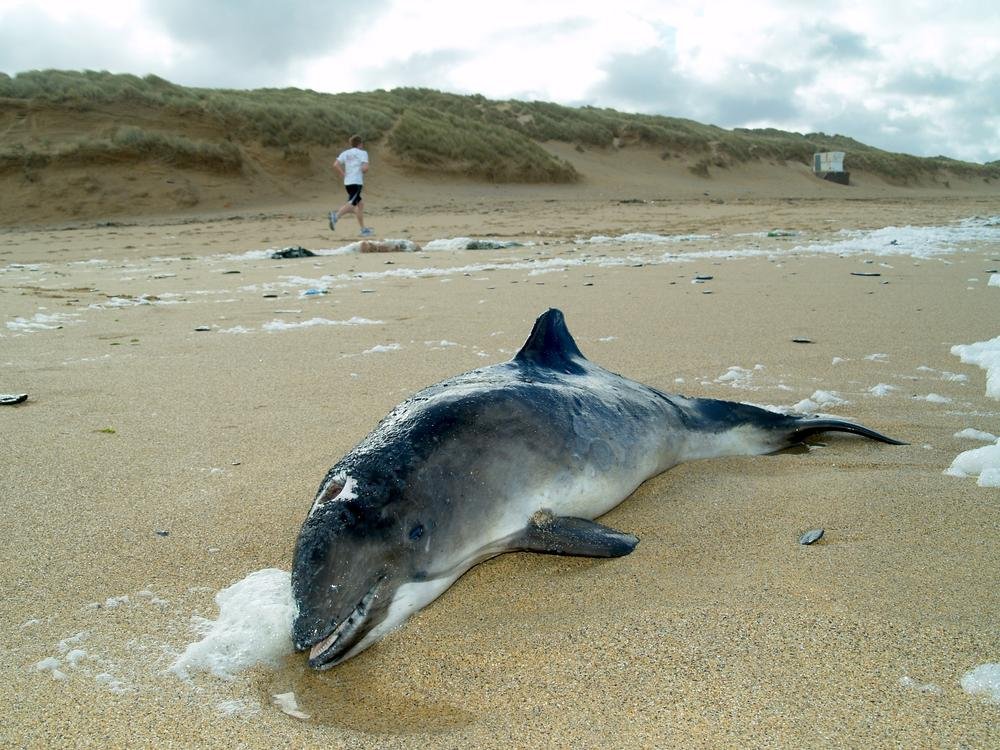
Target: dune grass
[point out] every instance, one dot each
(425, 129)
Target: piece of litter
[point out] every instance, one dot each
(864, 273)
(801, 341)
(203, 328)
(811, 536)
(287, 703)
(9, 399)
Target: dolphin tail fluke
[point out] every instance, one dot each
(808, 426)
(564, 535)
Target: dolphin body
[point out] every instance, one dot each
(520, 455)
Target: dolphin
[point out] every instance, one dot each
(520, 455)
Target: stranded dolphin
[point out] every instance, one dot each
(521, 455)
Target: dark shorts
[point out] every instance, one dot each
(353, 194)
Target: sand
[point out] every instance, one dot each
(155, 464)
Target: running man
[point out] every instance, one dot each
(352, 165)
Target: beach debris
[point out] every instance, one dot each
(233, 271)
(203, 328)
(9, 399)
(801, 340)
(811, 536)
(782, 233)
(701, 277)
(312, 292)
(107, 430)
(292, 252)
(288, 705)
(270, 296)
(388, 246)
(161, 532)
(865, 273)
(490, 244)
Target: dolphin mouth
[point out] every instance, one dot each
(335, 646)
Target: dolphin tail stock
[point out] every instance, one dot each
(757, 430)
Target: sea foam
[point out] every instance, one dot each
(254, 627)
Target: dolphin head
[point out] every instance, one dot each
(352, 556)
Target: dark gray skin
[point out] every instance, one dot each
(521, 455)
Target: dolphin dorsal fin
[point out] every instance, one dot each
(550, 344)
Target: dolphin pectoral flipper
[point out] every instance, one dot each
(565, 535)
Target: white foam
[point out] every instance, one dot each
(111, 682)
(953, 377)
(735, 375)
(983, 680)
(994, 279)
(379, 348)
(633, 237)
(254, 627)
(923, 687)
(468, 243)
(881, 389)
(985, 354)
(51, 665)
(983, 463)
(42, 322)
(915, 242)
(281, 325)
(974, 434)
(934, 398)
(817, 400)
(237, 707)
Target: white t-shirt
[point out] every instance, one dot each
(352, 159)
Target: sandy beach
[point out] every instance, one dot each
(187, 393)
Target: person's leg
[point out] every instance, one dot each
(359, 211)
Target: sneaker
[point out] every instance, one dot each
(367, 232)
(333, 220)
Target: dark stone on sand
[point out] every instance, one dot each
(864, 273)
(811, 536)
(801, 341)
(9, 399)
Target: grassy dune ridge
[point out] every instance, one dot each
(500, 141)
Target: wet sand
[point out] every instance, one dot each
(162, 463)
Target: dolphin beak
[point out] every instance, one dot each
(337, 645)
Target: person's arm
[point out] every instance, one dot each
(338, 167)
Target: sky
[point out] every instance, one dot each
(915, 77)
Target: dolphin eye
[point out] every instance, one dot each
(416, 532)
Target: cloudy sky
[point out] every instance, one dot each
(919, 77)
